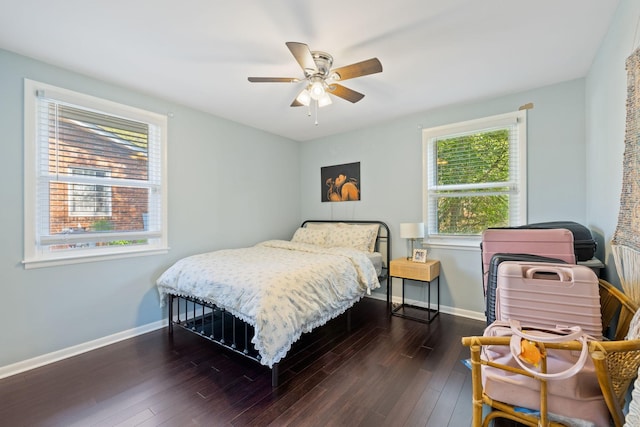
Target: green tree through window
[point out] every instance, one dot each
(475, 175)
(473, 159)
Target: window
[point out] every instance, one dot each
(89, 200)
(474, 177)
(94, 178)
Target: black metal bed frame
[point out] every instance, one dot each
(219, 326)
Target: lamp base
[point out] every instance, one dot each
(410, 256)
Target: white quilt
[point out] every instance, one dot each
(280, 287)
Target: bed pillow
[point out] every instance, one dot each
(338, 227)
(373, 236)
(312, 236)
(351, 237)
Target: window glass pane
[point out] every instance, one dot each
(83, 139)
(86, 151)
(477, 158)
(472, 215)
(76, 246)
(475, 176)
(96, 209)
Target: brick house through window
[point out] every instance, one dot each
(91, 159)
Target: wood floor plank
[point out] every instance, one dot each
(422, 411)
(461, 416)
(407, 401)
(443, 410)
(296, 414)
(388, 371)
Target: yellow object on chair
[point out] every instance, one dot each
(530, 353)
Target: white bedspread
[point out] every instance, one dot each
(281, 288)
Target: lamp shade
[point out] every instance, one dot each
(412, 230)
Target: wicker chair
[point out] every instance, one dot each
(616, 363)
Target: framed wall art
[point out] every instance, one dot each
(340, 183)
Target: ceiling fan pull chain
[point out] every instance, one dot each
(316, 104)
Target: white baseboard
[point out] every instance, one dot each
(45, 359)
(443, 308)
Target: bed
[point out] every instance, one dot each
(258, 301)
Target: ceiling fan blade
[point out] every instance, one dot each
(302, 54)
(370, 66)
(273, 79)
(296, 103)
(345, 93)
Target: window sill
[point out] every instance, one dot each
(54, 262)
(462, 243)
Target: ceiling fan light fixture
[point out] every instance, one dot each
(304, 98)
(324, 100)
(317, 89)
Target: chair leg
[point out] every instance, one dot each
(476, 387)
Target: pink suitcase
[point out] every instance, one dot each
(551, 243)
(549, 295)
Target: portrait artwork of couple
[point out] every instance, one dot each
(340, 182)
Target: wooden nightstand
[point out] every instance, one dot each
(426, 272)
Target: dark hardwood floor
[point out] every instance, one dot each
(387, 372)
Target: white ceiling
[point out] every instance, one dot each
(199, 53)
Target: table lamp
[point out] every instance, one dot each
(411, 231)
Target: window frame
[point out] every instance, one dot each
(35, 256)
(518, 149)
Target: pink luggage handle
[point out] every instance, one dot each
(574, 333)
(562, 273)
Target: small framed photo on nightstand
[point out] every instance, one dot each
(419, 255)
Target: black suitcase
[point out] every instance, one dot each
(492, 280)
(583, 243)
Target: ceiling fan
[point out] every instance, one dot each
(321, 80)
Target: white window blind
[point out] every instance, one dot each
(94, 175)
(475, 176)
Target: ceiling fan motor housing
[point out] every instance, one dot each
(323, 61)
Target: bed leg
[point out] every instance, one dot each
(246, 339)
(349, 320)
(222, 314)
(274, 375)
(170, 314)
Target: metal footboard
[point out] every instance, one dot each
(216, 325)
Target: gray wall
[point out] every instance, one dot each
(229, 186)
(391, 173)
